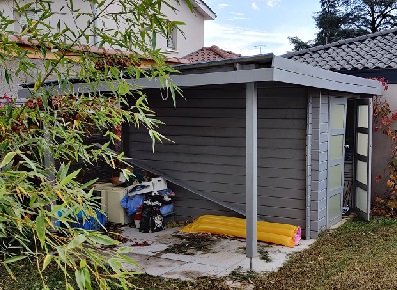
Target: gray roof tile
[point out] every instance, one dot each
(377, 50)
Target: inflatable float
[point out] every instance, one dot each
(282, 234)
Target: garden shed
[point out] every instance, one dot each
(262, 137)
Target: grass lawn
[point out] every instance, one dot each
(358, 255)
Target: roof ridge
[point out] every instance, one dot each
(223, 53)
(339, 42)
(212, 52)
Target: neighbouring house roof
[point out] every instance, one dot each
(204, 9)
(372, 51)
(209, 54)
(34, 54)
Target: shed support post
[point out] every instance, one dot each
(251, 170)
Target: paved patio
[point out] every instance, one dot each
(225, 255)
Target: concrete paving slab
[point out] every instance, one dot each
(193, 271)
(153, 265)
(226, 259)
(224, 256)
(150, 250)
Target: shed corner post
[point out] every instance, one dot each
(312, 93)
(251, 170)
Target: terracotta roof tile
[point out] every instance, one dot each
(100, 51)
(209, 54)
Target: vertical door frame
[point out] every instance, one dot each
(369, 102)
(335, 100)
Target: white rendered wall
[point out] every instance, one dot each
(190, 40)
(381, 148)
(193, 38)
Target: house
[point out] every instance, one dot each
(178, 43)
(367, 56)
(257, 137)
(36, 58)
(210, 53)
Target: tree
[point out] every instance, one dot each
(298, 43)
(41, 138)
(342, 19)
(332, 23)
(370, 15)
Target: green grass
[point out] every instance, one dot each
(358, 255)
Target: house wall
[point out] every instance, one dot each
(190, 39)
(7, 7)
(12, 65)
(208, 153)
(192, 36)
(381, 148)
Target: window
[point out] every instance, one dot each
(22, 20)
(171, 39)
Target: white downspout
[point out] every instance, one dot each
(94, 23)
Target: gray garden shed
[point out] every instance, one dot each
(260, 136)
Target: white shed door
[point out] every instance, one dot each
(363, 154)
(336, 159)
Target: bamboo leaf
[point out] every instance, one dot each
(80, 278)
(102, 240)
(14, 259)
(7, 159)
(69, 178)
(115, 264)
(78, 240)
(47, 261)
(123, 88)
(124, 250)
(40, 228)
(129, 260)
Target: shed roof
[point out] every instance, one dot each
(261, 68)
(266, 68)
(371, 51)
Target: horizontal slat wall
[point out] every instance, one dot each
(189, 206)
(207, 151)
(207, 148)
(282, 151)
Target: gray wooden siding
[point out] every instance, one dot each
(319, 162)
(281, 151)
(189, 206)
(208, 150)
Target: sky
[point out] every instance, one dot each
(250, 27)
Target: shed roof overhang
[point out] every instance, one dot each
(263, 68)
(266, 68)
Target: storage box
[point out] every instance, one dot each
(115, 212)
(110, 203)
(159, 183)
